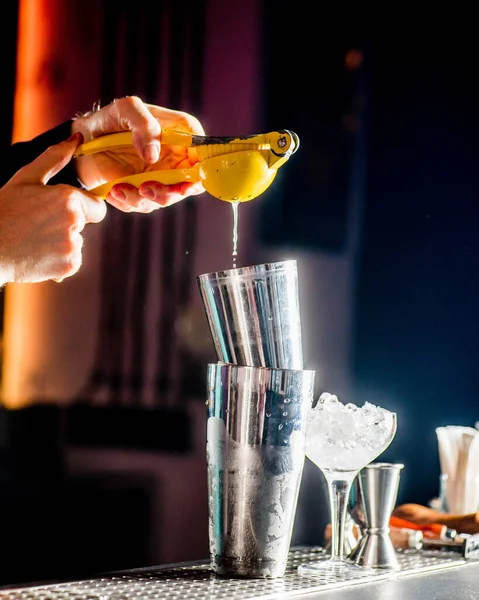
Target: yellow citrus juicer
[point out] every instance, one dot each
(233, 169)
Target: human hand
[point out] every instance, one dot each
(41, 225)
(145, 121)
(423, 515)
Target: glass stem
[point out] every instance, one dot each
(338, 496)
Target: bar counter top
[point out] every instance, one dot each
(425, 575)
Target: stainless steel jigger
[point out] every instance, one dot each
(375, 490)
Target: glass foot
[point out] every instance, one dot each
(333, 569)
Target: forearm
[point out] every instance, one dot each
(22, 153)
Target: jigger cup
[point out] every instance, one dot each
(255, 457)
(254, 316)
(375, 491)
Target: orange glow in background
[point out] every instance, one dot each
(27, 122)
(57, 75)
(32, 38)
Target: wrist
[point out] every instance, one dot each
(78, 121)
(6, 275)
(81, 123)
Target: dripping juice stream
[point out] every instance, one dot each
(235, 206)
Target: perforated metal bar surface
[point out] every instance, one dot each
(196, 581)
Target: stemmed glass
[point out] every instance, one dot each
(341, 439)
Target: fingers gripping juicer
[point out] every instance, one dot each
(233, 169)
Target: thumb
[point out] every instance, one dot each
(50, 162)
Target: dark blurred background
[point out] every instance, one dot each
(102, 430)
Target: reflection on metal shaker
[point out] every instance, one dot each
(254, 316)
(255, 458)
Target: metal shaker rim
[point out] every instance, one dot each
(384, 465)
(250, 270)
(266, 370)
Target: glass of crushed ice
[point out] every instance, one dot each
(341, 439)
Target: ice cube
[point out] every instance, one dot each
(329, 402)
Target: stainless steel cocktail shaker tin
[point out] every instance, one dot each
(254, 315)
(258, 396)
(255, 458)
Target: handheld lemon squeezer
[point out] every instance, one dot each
(233, 169)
